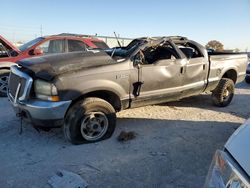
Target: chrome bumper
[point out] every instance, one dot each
(41, 110)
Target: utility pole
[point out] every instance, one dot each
(41, 30)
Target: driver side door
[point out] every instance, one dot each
(161, 80)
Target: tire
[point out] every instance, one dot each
(87, 116)
(247, 79)
(4, 77)
(223, 93)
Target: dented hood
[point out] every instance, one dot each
(8, 44)
(49, 66)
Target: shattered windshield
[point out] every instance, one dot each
(125, 51)
(30, 43)
(133, 44)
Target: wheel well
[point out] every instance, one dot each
(231, 74)
(5, 68)
(108, 96)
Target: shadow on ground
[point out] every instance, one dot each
(238, 106)
(165, 153)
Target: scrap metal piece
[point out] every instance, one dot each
(66, 179)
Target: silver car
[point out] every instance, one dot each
(230, 167)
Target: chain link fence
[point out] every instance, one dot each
(112, 41)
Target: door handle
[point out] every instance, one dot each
(182, 69)
(204, 66)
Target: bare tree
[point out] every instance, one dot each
(215, 45)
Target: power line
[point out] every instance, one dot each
(41, 30)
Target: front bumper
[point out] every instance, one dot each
(225, 172)
(41, 113)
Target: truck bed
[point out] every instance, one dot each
(236, 62)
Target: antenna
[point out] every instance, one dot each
(117, 40)
(41, 30)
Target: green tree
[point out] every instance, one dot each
(215, 45)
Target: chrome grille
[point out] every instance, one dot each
(14, 80)
(18, 77)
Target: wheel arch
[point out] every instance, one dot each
(231, 74)
(5, 65)
(107, 95)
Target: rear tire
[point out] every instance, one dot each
(247, 79)
(223, 93)
(89, 120)
(4, 78)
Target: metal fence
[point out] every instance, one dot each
(112, 41)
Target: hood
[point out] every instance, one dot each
(49, 66)
(7, 44)
(238, 146)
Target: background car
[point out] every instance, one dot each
(230, 167)
(61, 43)
(247, 79)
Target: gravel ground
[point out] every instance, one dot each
(174, 146)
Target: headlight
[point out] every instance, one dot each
(45, 90)
(224, 172)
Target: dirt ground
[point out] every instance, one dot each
(173, 148)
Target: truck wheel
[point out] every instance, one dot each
(223, 93)
(4, 78)
(90, 120)
(247, 79)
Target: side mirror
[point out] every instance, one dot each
(36, 51)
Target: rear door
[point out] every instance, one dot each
(196, 69)
(75, 46)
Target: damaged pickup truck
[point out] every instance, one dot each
(82, 91)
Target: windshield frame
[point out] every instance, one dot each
(127, 51)
(31, 43)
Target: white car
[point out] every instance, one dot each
(230, 167)
(247, 78)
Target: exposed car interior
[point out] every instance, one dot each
(153, 54)
(3, 51)
(6, 51)
(189, 50)
(120, 53)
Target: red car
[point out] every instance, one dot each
(62, 43)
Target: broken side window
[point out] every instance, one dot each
(189, 50)
(155, 53)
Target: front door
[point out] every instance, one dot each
(160, 76)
